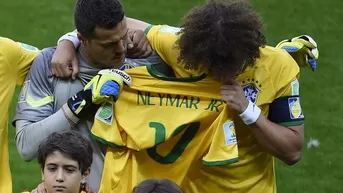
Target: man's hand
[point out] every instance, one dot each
(138, 45)
(233, 94)
(64, 62)
(105, 85)
(303, 49)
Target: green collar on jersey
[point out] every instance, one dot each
(153, 71)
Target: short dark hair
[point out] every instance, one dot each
(89, 14)
(157, 186)
(220, 37)
(71, 144)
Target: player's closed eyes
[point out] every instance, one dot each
(52, 169)
(70, 170)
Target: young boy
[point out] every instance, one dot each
(65, 159)
(157, 186)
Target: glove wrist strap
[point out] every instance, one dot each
(81, 103)
(69, 115)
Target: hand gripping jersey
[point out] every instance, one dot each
(272, 84)
(15, 61)
(161, 127)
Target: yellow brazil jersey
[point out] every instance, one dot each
(15, 61)
(164, 128)
(274, 75)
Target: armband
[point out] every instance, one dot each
(286, 111)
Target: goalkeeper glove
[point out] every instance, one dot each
(105, 85)
(108, 84)
(303, 49)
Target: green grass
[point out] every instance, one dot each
(42, 22)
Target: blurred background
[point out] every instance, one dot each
(41, 23)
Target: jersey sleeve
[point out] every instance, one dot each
(70, 36)
(35, 101)
(286, 108)
(162, 39)
(19, 56)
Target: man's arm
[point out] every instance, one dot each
(282, 132)
(283, 142)
(30, 134)
(137, 24)
(65, 56)
(131, 24)
(35, 118)
(72, 37)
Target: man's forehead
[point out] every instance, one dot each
(113, 34)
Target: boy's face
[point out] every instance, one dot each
(62, 174)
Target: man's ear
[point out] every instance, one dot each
(82, 38)
(85, 175)
(42, 173)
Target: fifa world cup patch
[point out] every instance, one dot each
(23, 92)
(28, 47)
(229, 133)
(105, 113)
(295, 108)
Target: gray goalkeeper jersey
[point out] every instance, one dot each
(39, 113)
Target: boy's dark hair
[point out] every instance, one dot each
(220, 37)
(157, 186)
(71, 144)
(89, 14)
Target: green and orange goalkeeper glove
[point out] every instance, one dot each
(303, 49)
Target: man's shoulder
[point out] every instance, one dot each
(46, 53)
(9, 50)
(163, 28)
(6, 43)
(43, 61)
(163, 35)
(272, 53)
(154, 58)
(275, 59)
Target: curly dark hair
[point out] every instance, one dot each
(220, 37)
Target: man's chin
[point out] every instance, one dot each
(115, 63)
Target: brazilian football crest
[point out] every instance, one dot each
(251, 92)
